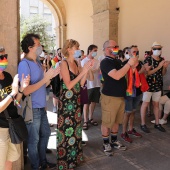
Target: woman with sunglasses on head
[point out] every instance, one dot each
(9, 97)
(69, 130)
(155, 82)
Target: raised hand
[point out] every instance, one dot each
(88, 66)
(24, 82)
(52, 72)
(15, 85)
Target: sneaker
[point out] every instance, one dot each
(153, 121)
(144, 128)
(162, 121)
(54, 109)
(159, 127)
(48, 165)
(107, 149)
(126, 137)
(83, 143)
(134, 133)
(118, 145)
(48, 151)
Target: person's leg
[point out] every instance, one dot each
(156, 97)
(55, 104)
(166, 110)
(125, 122)
(8, 165)
(143, 111)
(44, 137)
(85, 114)
(91, 110)
(33, 139)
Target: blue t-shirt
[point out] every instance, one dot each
(36, 73)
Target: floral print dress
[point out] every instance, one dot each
(69, 128)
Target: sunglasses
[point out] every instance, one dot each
(3, 56)
(113, 46)
(136, 52)
(157, 49)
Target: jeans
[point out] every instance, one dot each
(38, 135)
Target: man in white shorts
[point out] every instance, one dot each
(155, 82)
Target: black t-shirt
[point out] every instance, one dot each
(5, 89)
(155, 81)
(112, 87)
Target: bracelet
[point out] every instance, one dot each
(20, 91)
(12, 97)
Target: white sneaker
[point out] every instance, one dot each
(107, 149)
(162, 121)
(153, 121)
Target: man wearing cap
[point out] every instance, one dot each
(155, 82)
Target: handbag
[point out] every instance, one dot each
(26, 109)
(17, 128)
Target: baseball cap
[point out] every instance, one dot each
(156, 44)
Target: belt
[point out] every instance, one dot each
(38, 109)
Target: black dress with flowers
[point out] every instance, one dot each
(69, 128)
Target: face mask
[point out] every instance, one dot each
(3, 62)
(127, 56)
(94, 54)
(77, 53)
(156, 52)
(39, 50)
(115, 51)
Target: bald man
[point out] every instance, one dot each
(113, 93)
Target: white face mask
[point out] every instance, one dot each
(156, 52)
(127, 56)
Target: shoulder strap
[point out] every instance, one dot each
(67, 64)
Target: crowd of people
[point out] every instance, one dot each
(118, 80)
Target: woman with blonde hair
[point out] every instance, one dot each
(69, 130)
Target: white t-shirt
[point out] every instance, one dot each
(100, 58)
(96, 81)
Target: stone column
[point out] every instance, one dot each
(105, 22)
(9, 38)
(9, 32)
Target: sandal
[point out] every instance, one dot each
(94, 123)
(85, 126)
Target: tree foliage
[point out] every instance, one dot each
(38, 25)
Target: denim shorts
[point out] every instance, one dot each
(131, 103)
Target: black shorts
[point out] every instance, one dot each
(94, 95)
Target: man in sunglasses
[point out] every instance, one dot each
(112, 97)
(155, 82)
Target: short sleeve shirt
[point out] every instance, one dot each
(36, 73)
(112, 87)
(155, 81)
(5, 89)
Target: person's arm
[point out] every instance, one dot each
(4, 103)
(66, 77)
(165, 65)
(150, 72)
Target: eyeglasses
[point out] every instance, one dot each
(156, 48)
(113, 46)
(3, 56)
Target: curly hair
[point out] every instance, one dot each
(28, 41)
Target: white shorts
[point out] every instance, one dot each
(164, 100)
(155, 96)
(9, 151)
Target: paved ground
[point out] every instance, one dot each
(151, 152)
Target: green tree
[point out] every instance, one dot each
(36, 24)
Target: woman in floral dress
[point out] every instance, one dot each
(69, 129)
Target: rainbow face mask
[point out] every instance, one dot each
(3, 62)
(115, 51)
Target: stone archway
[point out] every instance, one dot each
(59, 12)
